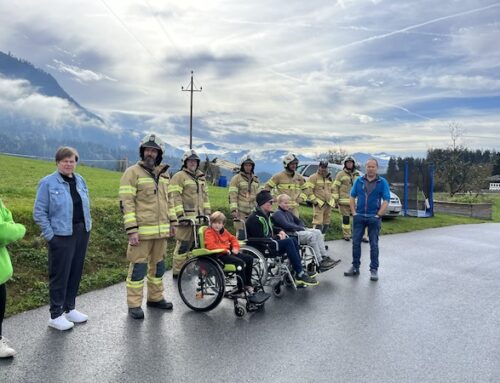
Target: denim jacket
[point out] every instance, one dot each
(53, 210)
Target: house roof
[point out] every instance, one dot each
(495, 178)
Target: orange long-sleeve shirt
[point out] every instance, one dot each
(224, 240)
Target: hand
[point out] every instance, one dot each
(236, 252)
(282, 235)
(133, 239)
(377, 216)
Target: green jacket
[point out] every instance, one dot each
(9, 232)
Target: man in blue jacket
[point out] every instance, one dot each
(369, 198)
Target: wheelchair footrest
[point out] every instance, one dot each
(259, 298)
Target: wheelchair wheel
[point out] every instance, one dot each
(239, 311)
(201, 283)
(259, 272)
(278, 289)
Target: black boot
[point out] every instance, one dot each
(163, 304)
(136, 312)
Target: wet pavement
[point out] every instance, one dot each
(434, 316)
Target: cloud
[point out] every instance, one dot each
(306, 75)
(79, 74)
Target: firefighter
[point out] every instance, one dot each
(290, 182)
(341, 193)
(321, 197)
(189, 193)
(148, 215)
(243, 189)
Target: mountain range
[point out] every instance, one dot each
(37, 115)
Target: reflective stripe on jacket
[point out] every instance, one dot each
(291, 184)
(343, 184)
(242, 191)
(189, 193)
(145, 203)
(322, 189)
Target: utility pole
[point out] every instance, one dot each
(191, 89)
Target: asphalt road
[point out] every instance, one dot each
(434, 316)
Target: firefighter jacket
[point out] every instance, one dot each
(321, 190)
(291, 184)
(343, 184)
(242, 191)
(189, 192)
(144, 201)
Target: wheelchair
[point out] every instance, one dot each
(204, 280)
(274, 269)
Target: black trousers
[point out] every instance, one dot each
(246, 263)
(3, 302)
(66, 259)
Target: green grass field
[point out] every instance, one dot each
(105, 263)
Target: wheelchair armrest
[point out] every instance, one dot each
(259, 242)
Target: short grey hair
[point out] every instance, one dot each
(371, 159)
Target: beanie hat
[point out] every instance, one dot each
(263, 197)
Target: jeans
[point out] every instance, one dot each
(373, 224)
(291, 248)
(66, 259)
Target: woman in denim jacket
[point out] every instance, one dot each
(62, 210)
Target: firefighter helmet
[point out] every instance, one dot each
(350, 158)
(246, 159)
(323, 163)
(190, 155)
(289, 158)
(155, 142)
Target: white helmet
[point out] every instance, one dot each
(246, 159)
(350, 158)
(289, 158)
(155, 142)
(190, 155)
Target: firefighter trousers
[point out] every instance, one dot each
(147, 261)
(321, 215)
(184, 241)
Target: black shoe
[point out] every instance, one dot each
(365, 240)
(347, 239)
(352, 272)
(325, 265)
(305, 280)
(136, 312)
(175, 276)
(163, 304)
(373, 275)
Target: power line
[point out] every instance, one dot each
(191, 88)
(128, 30)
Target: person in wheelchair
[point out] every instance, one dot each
(284, 219)
(217, 237)
(259, 225)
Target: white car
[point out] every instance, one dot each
(307, 169)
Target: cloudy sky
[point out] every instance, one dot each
(363, 75)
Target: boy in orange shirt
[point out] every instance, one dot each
(216, 237)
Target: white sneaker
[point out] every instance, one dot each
(76, 316)
(5, 350)
(61, 323)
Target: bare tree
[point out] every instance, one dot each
(454, 169)
(334, 156)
